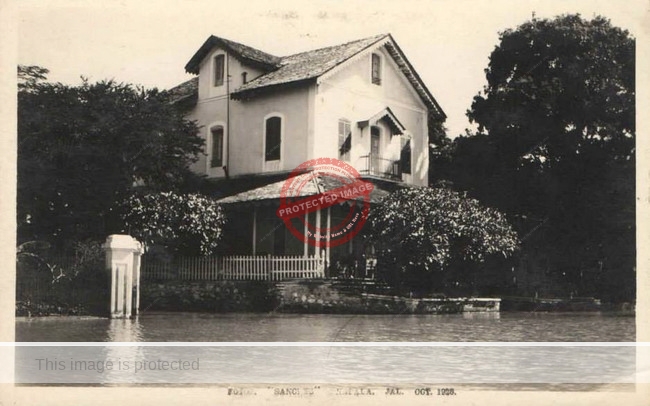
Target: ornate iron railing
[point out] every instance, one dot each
(381, 167)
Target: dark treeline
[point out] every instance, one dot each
(554, 149)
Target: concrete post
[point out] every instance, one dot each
(123, 263)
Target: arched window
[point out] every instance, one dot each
(216, 146)
(376, 69)
(273, 138)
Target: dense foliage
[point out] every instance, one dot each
(555, 148)
(82, 148)
(184, 224)
(424, 235)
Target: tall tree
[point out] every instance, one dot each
(556, 142)
(82, 148)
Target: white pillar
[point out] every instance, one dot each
(123, 262)
(254, 230)
(329, 237)
(317, 234)
(306, 249)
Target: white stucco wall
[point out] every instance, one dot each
(244, 134)
(349, 94)
(310, 115)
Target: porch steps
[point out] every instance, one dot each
(351, 287)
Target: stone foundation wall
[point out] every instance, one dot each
(208, 296)
(300, 296)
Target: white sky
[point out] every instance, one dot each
(448, 42)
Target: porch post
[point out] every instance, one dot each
(328, 237)
(317, 236)
(254, 229)
(306, 249)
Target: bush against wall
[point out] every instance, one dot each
(185, 224)
(424, 236)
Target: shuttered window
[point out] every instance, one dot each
(405, 156)
(219, 62)
(345, 140)
(376, 69)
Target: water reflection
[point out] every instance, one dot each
(323, 328)
(123, 357)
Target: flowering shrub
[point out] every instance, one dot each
(422, 231)
(187, 224)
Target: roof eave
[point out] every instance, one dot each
(429, 100)
(250, 93)
(192, 65)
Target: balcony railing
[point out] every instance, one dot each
(381, 167)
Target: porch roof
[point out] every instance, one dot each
(313, 185)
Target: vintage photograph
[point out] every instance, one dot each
(381, 184)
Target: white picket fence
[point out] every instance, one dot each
(274, 268)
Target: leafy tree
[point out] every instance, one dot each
(427, 235)
(184, 224)
(555, 145)
(81, 149)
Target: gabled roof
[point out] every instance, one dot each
(310, 65)
(248, 54)
(312, 185)
(389, 117)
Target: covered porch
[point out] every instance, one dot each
(255, 233)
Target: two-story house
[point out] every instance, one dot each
(263, 115)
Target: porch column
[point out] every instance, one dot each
(328, 238)
(317, 236)
(306, 249)
(254, 229)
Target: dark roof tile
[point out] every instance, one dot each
(310, 64)
(243, 52)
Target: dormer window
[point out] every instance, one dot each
(219, 64)
(376, 69)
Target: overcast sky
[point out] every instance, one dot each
(149, 42)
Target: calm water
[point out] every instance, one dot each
(339, 363)
(288, 327)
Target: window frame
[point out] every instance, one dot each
(376, 79)
(265, 136)
(218, 59)
(221, 160)
(346, 123)
(209, 169)
(406, 140)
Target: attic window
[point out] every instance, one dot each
(244, 80)
(219, 62)
(376, 69)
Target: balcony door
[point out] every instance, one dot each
(375, 150)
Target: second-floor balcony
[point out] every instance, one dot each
(386, 168)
